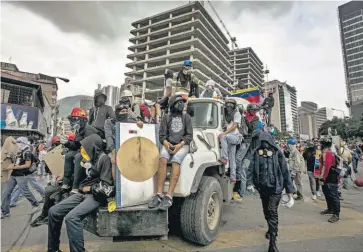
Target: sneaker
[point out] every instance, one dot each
(326, 212)
(166, 203)
(14, 205)
(314, 197)
(35, 209)
(318, 194)
(3, 215)
(156, 200)
(40, 220)
(223, 161)
(237, 198)
(334, 219)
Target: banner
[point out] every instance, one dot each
(18, 117)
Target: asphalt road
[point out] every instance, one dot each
(301, 228)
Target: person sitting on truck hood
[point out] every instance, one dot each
(175, 134)
(124, 114)
(230, 139)
(100, 112)
(94, 192)
(73, 174)
(268, 172)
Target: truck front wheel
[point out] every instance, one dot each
(201, 212)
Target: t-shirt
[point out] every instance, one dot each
(21, 158)
(236, 119)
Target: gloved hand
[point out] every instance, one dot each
(63, 139)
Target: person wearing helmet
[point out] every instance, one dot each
(230, 138)
(329, 176)
(269, 173)
(72, 169)
(297, 167)
(100, 112)
(209, 91)
(251, 116)
(175, 135)
(124, 114)
(268, 104)
(309, 157)
(168, 86)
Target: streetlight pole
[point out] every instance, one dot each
(56, 112)
(340, 111)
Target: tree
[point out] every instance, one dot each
(346, 128)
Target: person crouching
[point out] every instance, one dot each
(94, 191)
(268, 172)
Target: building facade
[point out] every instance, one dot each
(322, 115)
(307, 119)
(351, 33)
(284, 113)
(165, 40)
(247, 68)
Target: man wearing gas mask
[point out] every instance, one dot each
(175, 135)
(94, 191)
(268, 172)
(230, 139)
(73, 173)
(100, 112)
(210, 90)
(124, 114)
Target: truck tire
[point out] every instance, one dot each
(201, 212)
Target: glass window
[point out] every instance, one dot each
(203, 114)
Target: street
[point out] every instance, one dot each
(301, 228)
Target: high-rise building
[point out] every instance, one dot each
(284, 113)
(165, 40)
(351, 33)
(247, 68)
(322, 115)
(307, 119)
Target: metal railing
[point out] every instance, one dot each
(16, 94)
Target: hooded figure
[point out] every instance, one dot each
(175, 135)
(100, 112)
(94, 192)
(268, 172)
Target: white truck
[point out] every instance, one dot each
(199, 195)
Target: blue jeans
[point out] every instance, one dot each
(22, 182)
(229, 143)
(242, 164)
(34, 183)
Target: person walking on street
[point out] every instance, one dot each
(309, 157)
(268, 172)
(295, 166)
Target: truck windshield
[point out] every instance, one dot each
(203, 114)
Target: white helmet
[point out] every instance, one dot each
(287, 201)
(210, 83)
(128, 94)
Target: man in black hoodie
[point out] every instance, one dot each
(175, 134)
(100, 112)
(94, 192)
(269, 173)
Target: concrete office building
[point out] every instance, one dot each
(284, 113)
(246, 67)
(351, 33)
(165, 40)
(307, 119)
(322, 115)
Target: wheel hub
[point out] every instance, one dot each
(213, 211)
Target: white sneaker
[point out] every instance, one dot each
(318, 194)
(313, 197)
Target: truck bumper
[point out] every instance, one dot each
(137, 221)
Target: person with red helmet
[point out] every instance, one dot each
(78, 120)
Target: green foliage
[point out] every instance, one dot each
(346, 128)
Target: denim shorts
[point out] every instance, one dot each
(178, 157)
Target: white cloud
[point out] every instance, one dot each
(299, 42)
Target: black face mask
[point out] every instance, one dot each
(265, 145)
(77, 123)
(179, 106)
(122, 106)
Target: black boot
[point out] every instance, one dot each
(272, 247)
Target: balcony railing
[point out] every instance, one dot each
(16, 94)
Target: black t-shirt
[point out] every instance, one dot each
(21, 158)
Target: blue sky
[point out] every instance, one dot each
(87, 41)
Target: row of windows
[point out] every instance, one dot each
(356, 74)
(355, 32)
(356, 87)
(355, 56)
(355, 50)
(355, 62)
(352, 15)
(352, 39)
(353, 27)
(355, 68)
(352, 21)
(354, 44)
(355, 81)
(357, 93)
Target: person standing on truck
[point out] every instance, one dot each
(73, 174)
(175, 135)
(209, 91)
(268, 172)
(100, 112)
(94, 191)
(268, 104)
(124, 114)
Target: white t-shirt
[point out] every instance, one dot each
(236, 119)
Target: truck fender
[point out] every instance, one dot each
(199, 174)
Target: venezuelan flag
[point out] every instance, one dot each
(250, 94)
